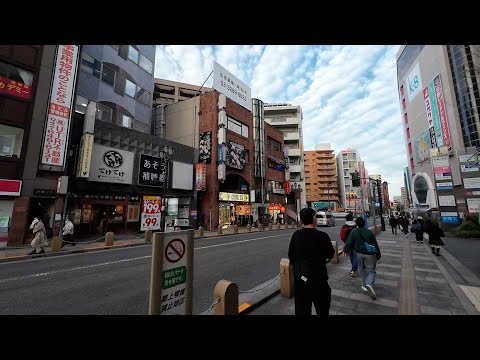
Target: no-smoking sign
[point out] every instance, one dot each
(175, 250)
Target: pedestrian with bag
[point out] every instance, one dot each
(40, 237)
(363, 241)
(435, 234)
(68, 232)
(308, 252)
(417, 228)
(344, 232)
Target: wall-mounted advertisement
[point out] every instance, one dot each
(447, 141)
(205, 147)
(235, 156)
(473, 205)
(232, 87)
(431, 124)
(200, 177)
(111, 165)
(471, 183)
(151, 213)
(172, 208)
(414, 83)
(60, 106)
(152, 170)
(446, 200)
(422, 147)
(15, 81)
(449, 217)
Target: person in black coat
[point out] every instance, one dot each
(308, 252)
(434, 236)
(393, 223)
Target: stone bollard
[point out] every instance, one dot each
(286, 226)
(249, 228)
(335, 258)
(148, 236)
(57, 243)
(200, 231)
(260, 227)
(286, 278)
(228, 293)
(109, 238)
(270, 226)
(278, 226)
(235, 229)
(219, 230)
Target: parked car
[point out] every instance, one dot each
(325, 218)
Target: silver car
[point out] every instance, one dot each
(325, 218)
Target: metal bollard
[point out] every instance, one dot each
(57, 243)
(109, 238)
(228, 293)
(219, 230)
(335, 258)
(235, 229)
(249, 228)
(148, 236)
(286, 278)
(200, 231)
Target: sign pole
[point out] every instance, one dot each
(156, 273)
(189, 283)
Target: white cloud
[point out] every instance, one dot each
(348, 93)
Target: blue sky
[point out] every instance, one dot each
(348, 93)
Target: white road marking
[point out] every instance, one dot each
(119, 261)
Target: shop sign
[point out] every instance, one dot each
(152, 170)
(151, 213)
(111, 165)
(226, 196)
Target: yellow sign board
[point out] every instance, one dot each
(85, 156)
(225, 196)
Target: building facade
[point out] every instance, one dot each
(168, 92)
(403, 194)
(288, 119)
(352, 198)
(25, 79)
(407, 185)
(439, 100)
(321, 185)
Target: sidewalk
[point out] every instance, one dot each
(410, 281)
(98, 243)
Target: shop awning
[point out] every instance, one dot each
(10, 187)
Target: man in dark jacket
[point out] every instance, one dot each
(308, 253)
(360, 240)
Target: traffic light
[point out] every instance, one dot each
(356, 179)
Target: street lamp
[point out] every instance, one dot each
(166, 154)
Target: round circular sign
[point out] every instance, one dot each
(174, 250)
(113, 159)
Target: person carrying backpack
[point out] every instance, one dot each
(344, 232)
(364, 243)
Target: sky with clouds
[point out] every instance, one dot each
(348, 93)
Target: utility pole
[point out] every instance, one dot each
(382, 220)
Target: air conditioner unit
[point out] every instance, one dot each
(7, 144)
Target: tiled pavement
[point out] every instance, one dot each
(410, 280)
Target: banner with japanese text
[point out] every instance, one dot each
(151, 213)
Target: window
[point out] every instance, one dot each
(237, 127)
(145, 64)
(127, 121)
(274, 144)
(130, 88)
(11, 139)
(81, 104)
(108, 75)
(103, 113)
(143, 96)
(133, 54)
(90, 65)
(15, 81)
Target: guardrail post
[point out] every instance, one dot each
(56, 243)
(286, 278)
(335, 258)
(286, 225)
(270, 226)
(219, 230)
(235, 229)
(148, 236)
(109, 236)
(249, 228)
(200, 231)
(227, 291)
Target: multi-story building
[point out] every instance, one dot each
(403, 194)
(25, 80)
(126, 158)
(169, 92)
(397, 200)
(407, 184)
(439, 100)
(321, 185)
(351, 197)
(385, 197)
(288, 118)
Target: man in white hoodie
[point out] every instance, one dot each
(68, 232)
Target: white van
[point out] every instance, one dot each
(325, 218)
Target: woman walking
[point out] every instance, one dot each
(40, 238)
(434, 236)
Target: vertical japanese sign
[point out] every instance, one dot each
(60, 106)
(200, 177)
(447, 141)
(205, 147)
(431, 124)
(152, 170)
(150, 213)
